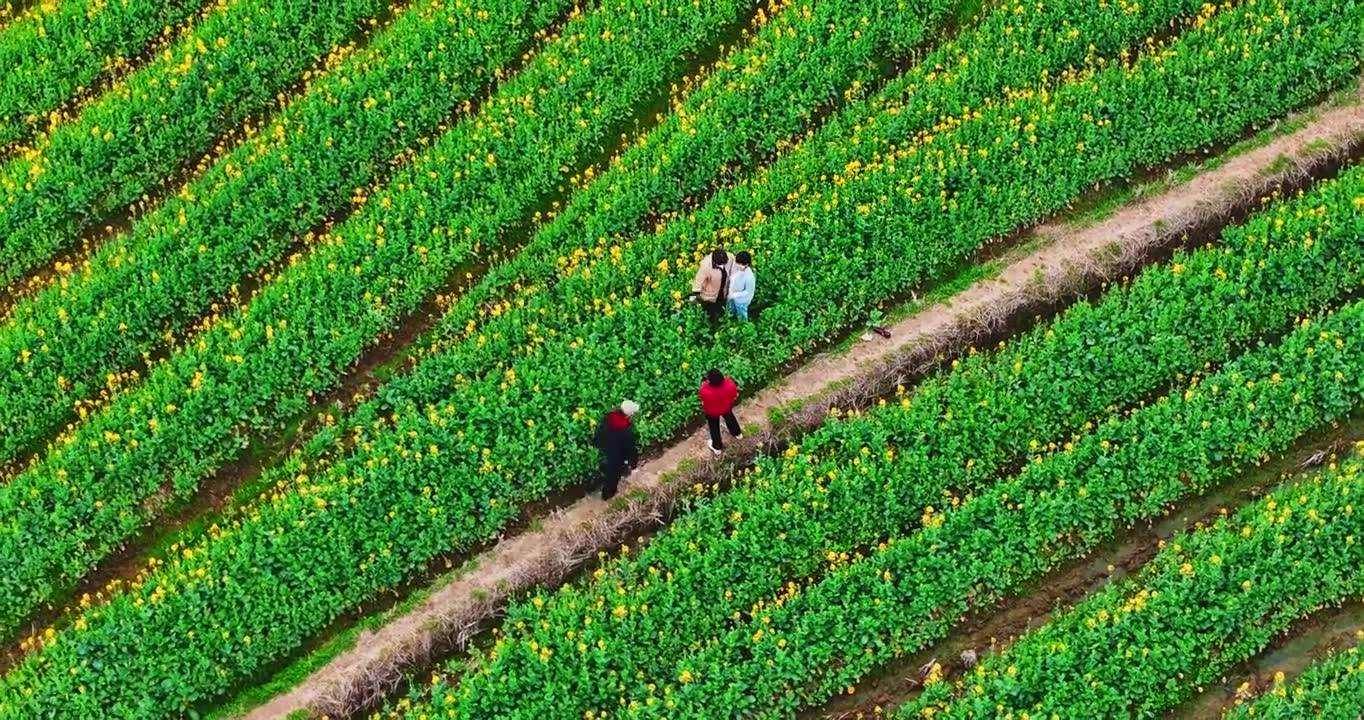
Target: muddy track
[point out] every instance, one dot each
(356, 384)
(1071, 262)
(991, 628)
(1311, 639)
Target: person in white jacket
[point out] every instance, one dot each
(742, 285)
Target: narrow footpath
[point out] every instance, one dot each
(1066, 261)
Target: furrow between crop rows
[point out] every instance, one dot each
(988, 630)
(558, 538)
(1332, 689)
(113, 315)
(780, 28)
(793, 520)
(1014, 48)
(624, 313)
(52, 54)
(1207, 601)
(233, 64)
(636, 173)
(806, 644)
(349, 129)
(280, 192)
(394, 555)
(415, 422)
(1127, 471)
(1288, 656)
(611, 60)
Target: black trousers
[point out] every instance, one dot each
(714, 311)
(731, 424)
(611, 474)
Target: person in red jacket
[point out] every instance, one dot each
(718, 395)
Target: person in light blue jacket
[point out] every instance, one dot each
(742, 285)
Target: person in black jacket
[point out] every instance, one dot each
(615, 439)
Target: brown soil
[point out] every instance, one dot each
(356, 384)
(1312, 639)
(989, 629)
(1070, 261)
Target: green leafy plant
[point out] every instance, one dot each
(861, 479)
(1331, 689)
(351, 125)
(1208, 600)
(160, 118)
(53, 52)
(363, 521)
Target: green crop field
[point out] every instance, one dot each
(305, 304)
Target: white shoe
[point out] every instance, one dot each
(714, 449)
(740, 436)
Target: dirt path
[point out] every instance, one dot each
(1070, 261)
(1312, 639)
(988, 629)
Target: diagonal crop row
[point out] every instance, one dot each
(806, 646)
(139, 468)
(543, 364)
(621, 329)
(1006, 53)
(1331, 689)
(772, 42)
(951, 437)
(1208, 600)
(494, 432)
(299, 332)
(246, 209)
(236, 62)
(370, 523)
(51, 53)
(111, 314)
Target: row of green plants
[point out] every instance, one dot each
(161, 118)
(91, 329)
(760, 95)
(247, 209)
(243, 389)
(622, 329)
(808, 644)
(1330, 689)
(1208, 600)
(52, 52)
(862, 479)
(357, 528)
(148, 462)
(1127, 471)
(1026, 46)
(88, 494)
(512, 419)
(634, 337)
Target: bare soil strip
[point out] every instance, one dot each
(1071, 261)
(988, 630)
(219, 495)
(1328, 631)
